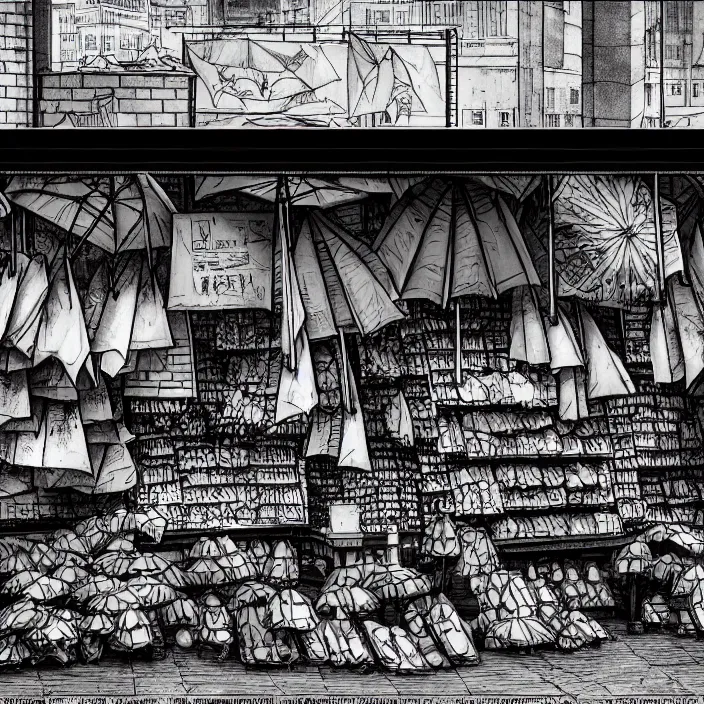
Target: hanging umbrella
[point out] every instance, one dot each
(344, 288)
(22, 298)
(606, 374)
(62, 332)
(303, 190)
(606, 240)
(115, 213)
(395, 185)
(517, 185)
(447, 238)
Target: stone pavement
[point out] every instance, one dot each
(653, 664)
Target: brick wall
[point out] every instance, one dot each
(125, 100)
(15, 64)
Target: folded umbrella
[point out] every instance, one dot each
(62, 332)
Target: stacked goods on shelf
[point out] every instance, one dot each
(478, 445)
(214, 462)
(659, 433)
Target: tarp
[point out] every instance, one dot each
(377, 72)
(257, 76)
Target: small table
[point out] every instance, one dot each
(345, 546)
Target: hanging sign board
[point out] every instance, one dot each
(222, 261)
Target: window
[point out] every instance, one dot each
(91, 44)
(676, 89)
(478, 117)
(483, 18)
(695, 90)
(550, 98)
(108, 43)
(574, 96)
(131, 41)
(673, 51)
(554, 35)
(553, 120)
(382, 17)
(504, 118)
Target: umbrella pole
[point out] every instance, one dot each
(659, 244)
(346, 400)
(13, 243)
(551, 253)
(283, 214)
(458, 342)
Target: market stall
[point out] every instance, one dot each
(498, 376)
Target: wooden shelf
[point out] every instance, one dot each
(577, 542)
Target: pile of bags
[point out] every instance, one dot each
(673, 578)
(87, 590)
(542, 607)
(81, 590)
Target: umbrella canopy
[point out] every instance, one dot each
(634, 558)
(349, 599)
(100, 624)
(115, 213)
(447, 238)
(21, 616)
(344, 285)
(123, 599)
(251, 594)
(303, 191)
(180, 612)
(290, 609)
(687, 580)
(606, 240)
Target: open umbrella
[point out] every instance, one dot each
(302, 190)
(607, 232)
(115, 213)
(447, 238)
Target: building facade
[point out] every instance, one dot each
(118, 28)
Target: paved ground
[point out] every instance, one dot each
(654, 664)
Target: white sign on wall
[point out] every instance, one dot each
(221, 261)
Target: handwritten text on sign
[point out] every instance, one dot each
(221, 260)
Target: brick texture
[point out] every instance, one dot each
(15, 64)
(110, 100)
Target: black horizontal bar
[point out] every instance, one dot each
(360, 150)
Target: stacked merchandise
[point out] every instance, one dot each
(537, 606)
(659, 435)
(479, 453)
(214, 462)
(92, 589)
